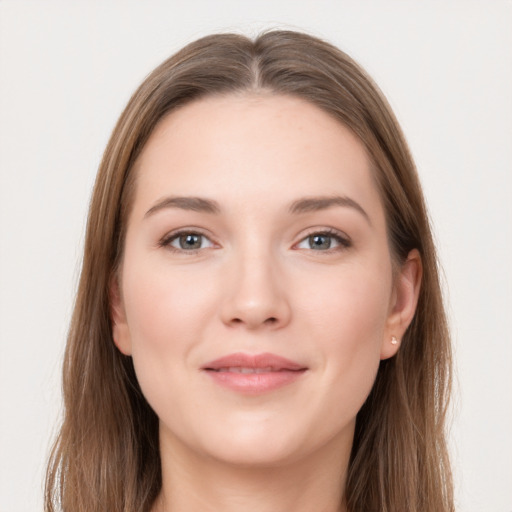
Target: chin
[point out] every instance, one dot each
(240, 439)
(256, 453)
(262, 444)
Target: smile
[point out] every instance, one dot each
(253, 374)
(237, 369)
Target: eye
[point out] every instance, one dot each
(186, 241)
(324, 241)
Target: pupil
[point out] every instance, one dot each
(320, 241)
(190, 241)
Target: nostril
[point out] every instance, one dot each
(253, 321)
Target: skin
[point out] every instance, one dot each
(257, 283)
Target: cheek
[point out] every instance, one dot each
(350, 306)
(163, 306)
(167, 314)
(349, 316)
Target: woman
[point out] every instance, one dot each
(259, 323)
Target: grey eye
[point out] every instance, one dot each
(189, 242)
(319, 242)
(324, 241)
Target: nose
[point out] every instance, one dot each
(255, 295)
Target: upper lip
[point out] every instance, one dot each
(265, 360)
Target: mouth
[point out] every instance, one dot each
(254, 374)
(248, 370)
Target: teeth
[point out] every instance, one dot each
(238, 369)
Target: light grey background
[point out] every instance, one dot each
(68, 68)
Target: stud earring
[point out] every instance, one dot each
(394, 341)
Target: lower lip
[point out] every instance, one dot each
(255, 383)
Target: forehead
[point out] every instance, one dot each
(254, 147)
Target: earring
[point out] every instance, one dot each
(394, 341)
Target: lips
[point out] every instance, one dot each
(246, 370)
(254, 361)
(253, 374)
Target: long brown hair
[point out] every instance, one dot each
(106, 457)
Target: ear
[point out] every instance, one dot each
(120, 330)
(403, 304)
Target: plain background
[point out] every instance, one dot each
(67, 70)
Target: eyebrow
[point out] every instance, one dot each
(196, 204)
(304, 205)
(314, 204)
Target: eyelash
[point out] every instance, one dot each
(166, 241)
(342, 240)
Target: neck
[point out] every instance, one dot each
(194, 483)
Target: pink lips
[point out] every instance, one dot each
(253, 374)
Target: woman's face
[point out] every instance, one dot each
(256, 293)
